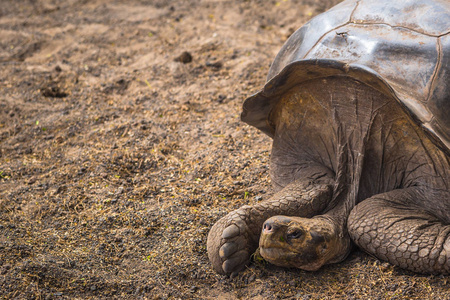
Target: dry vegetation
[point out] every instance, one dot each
(117, 155)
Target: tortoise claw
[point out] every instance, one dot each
(236, 262)
(230, 232)
(228, 249)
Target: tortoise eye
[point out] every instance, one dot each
(294, 234)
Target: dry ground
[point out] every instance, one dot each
(115, 159)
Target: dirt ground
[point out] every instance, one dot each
(118, 152)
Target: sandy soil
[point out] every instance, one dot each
(118, 153)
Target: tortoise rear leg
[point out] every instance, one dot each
(409, 228)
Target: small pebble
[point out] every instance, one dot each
(184, 58)
(216, 65)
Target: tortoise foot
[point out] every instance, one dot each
(230, 243)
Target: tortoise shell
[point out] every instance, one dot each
(401, 48)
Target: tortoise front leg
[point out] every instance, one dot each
(409, 228)
(235, 237)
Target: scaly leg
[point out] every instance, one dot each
(409, 228)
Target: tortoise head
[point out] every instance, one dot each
(303, 243)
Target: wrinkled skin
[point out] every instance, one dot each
(305, 243)
(348, 163)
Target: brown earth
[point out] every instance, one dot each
(118, 152)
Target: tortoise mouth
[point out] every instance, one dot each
(269, 252)
(278, 256)
(273, 251)
(285, 258)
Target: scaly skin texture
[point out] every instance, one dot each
(234, 238)
(398, 227)
(305, 243)
(367, 148)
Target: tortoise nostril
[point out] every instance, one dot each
(267, 227)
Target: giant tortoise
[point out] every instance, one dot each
(358, 105)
